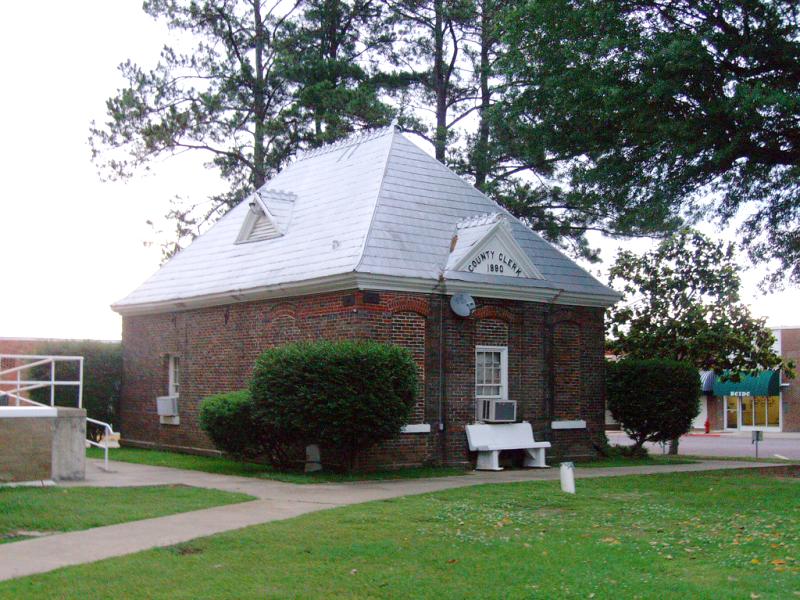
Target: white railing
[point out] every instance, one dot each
(108, 431)
(21, 380)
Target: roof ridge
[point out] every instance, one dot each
(276, 194)
(480, 219)
(352, 140)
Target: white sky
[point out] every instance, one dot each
(71, 244)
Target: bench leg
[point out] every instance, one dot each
(534, 457)
(489, 460)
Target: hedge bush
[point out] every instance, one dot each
(102, 376)
(345, 396)
(653, 400)
(228, 421)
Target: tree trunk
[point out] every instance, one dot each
(259, 104)
(439, 82)
(673, 446)
(480, 157)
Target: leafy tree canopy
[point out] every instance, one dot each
(247, 83)
(682, 303)
(660, 109)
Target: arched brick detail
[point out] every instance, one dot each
(420, 306)
(283, 310)
(495, 312)
(408, 331)
(567, 369)
(491, 332)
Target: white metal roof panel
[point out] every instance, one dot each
(373, 204)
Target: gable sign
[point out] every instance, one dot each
(495, 259)
(497, 253)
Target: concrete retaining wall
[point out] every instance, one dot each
(40, 445)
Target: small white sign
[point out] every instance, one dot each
(495, 260)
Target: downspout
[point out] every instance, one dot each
(442, 377)
(440, 416)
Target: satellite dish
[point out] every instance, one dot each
(462, 304)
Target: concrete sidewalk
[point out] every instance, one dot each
(275, 501)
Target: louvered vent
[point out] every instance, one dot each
(263, 229)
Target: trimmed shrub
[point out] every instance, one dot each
(228, 421)
(102, 376)
(345, 396)
(653, 400)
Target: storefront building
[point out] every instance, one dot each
(764, 401)
(371, 238)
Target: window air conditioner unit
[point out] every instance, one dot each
(167, 406)
(497, 411)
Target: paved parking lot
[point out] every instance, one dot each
(728, 444)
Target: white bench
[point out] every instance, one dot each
(488, 440)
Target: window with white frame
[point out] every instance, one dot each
(174, 385)
(491, 372)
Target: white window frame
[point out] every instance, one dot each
(174, 375)
(503, 350)
(740, 419)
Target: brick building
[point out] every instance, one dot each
(372, 238)
(766, 401)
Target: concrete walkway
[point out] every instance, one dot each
(275, 501)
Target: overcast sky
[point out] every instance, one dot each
(71, 244)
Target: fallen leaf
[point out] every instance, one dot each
(777, 561)
(452, 561)
(755, 561)
(354, 571)
(610, 540)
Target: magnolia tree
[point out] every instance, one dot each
(682, 302)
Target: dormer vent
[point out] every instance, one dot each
(269, 216)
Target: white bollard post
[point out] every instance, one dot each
(568, 477)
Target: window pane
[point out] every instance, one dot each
(488, 390)
(489, 374)
(747, 412)
(774, 411)
(732, 406)
(761, 411)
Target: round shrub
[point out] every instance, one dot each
(345, 396)
(653, 400)
(229, 421)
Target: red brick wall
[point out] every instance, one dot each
(790, 349)
(716, 413)
(218, 347)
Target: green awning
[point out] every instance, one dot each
(766, 383)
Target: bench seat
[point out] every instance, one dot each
(488, 440)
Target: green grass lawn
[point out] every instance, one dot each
(58, 509)
(227, 466)
(685, 535)
(627, 461)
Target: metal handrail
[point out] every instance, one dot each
(109, 431)
(19, 385)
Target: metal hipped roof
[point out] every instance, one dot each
(372, 210)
